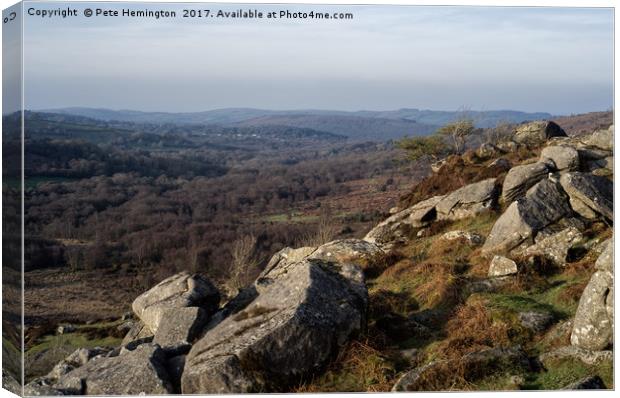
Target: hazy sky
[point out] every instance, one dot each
(531, 59)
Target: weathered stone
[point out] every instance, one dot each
(587, 383)
(502, 266)
(179, 327)
(488, 150)
(474, 365)
(582, 209)
(509, 231)
(303, 313)
(589, 154)
(288, 256)
(543, 205)
(537, 133)
(409, 381)
(605, 263)
(501, 163)
(139, 332)
(416, 216)
(536, 321)
(572, 221)
(38, 388)
(589, 193)
(468, 201)
(178, 291)
(555, 247)
(605, 260)
(79, 357)
(346, 250)
(137, 372)
(603, 172)
(565, 158)
(603, 139)
(471, 238)
(592, 326)
(586, 356)
(508, 146)
(521, 178)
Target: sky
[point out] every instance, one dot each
(557, 60)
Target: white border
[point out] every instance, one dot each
(519, 3)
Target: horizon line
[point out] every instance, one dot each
(307, 110)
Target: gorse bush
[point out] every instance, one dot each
(418, 148)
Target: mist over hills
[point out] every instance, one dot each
(358, 125)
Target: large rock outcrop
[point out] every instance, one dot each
(564, 157)
(593, 324)
(555, 248)
(303, 313)
(138, 372)
(340, 250)
(179, 328)
(521, 178)
(543, 205)
(395, 227)
(468, 201)
(590, 195)
(602, 139)
(537, 133)
(344, 250)
(79, 357)
(178, 291)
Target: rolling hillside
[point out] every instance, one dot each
(359, 125)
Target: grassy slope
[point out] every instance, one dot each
(426, 276)
(50, 348)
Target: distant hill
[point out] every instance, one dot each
(359, 125)
(481, 118)
(41, 125)
(355, 127)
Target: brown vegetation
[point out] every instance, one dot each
(586, 123)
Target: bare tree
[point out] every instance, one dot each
(192, 252)
(326, 229)
(75, 257)
(243, 260)
(458, 131)
(501, 132)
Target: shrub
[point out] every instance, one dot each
(430, 147)
(458, 131)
